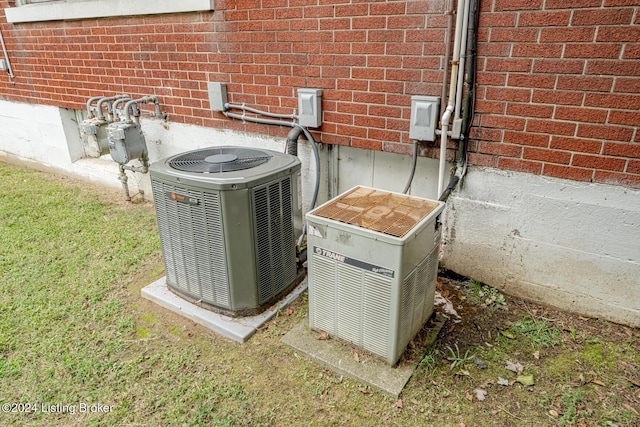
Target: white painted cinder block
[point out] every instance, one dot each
(572, 245)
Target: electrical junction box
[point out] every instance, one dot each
(309, 107)
(424, 117)
(126, 142)
(3, 65)
(373, 260)
(217, 95)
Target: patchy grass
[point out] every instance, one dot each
(73, 329)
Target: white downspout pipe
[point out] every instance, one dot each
(6, 56)
(446, 116)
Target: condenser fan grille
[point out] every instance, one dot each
(216, 160)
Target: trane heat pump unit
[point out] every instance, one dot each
(226, 218)
(373, 260)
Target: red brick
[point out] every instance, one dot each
(631, 51)
(395, 36)
(529, 110)
(578, 114)
(627, 85)
(369, 121)
(621, 150)
(344, 10)
(491, 79)
(481, 159)
(629, 118)
(368, 22)
(585, 83)
(633, 166)
(526, 138)
(513, 35)
(498, 19)
(543, 19)
(508, 94)
(576, 144)
(517, 4)
(550, 127)
(405, 22)
(545, 155)
(566, 35)
(520, 65)
(559, 97)
(492, 107)
(567, 172)
(617, 34)
(519, 165)
(598, 162)
(577, 4)
(384, 135)
(486, 134)
(628, 102)
(503, 122)
(507, 150)
(366, 143)
(385, 111)
(558, 66)
(617, 178)
(606, 132)
(591, 51)
(537, 50)
(602, 17)
(494, 49)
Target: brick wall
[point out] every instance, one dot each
(558, 89)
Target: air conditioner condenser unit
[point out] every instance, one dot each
(373, 260)
(227, 218)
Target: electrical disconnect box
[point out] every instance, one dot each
(217, 95)
(310, 107)
(424, 117)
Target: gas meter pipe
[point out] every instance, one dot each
(145, 100)
(107, 99)
(6, 57)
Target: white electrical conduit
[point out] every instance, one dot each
(6, 57)
(453, 85)
(463, 56)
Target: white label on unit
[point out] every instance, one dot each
(299, 179)
(315, 231)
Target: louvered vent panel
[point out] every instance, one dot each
(376, 314)
(324, 300)
(349, 299)
(275, 243)
(406, 305)
(192, 243)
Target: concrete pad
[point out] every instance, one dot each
(339, 359)
(236, 328)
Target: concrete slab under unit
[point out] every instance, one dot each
(236, 328)
(339, 359)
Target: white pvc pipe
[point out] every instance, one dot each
(6, 56)
(463, 54)
(453, 85)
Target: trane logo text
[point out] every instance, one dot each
(377, 269)
(329, 254)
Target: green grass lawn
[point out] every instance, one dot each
(79, 346)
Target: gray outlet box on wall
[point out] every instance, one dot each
(309, 107)
(217, 95)
(424, 117)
